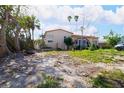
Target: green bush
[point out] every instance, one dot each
(93, 47)
(68, 41)
(109, 79)
(50, 82)
(112, 38)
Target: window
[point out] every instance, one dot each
(49, 41)
(64, 37)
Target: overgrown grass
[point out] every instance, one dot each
(101, 55)
(109, 79)
(52, 53)
(50, 82)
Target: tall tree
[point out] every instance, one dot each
(5, 12)
(112, 38)
(69, 18)
(16, 21)
(34, 23)
(16, 25)
(76, 20)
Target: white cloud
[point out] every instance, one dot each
(56, 26)
(92, 13)
(91, 31)
(60, 13)
(43, 12)
(120, 14)
(112, 18)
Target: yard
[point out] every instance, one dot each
(101, 55)
(77, 69)
(96, 56)
(22, 67)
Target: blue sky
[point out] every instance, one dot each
(101, 18)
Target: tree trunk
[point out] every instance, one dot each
(17, 43)
(67, 47)
(3, 45)
(33, 37)
(30, 40)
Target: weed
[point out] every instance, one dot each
(109, 79)
(50, 82)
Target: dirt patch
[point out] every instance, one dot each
(26, 71)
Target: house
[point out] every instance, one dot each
(84, 41)
(55, 39)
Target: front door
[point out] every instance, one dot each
(82, 43)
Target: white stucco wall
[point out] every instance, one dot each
(57, 38)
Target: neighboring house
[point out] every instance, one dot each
(55, 39)
(84, 41)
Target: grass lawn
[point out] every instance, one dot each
(101, 55)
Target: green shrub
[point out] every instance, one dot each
(92, 47)
(50, 82)
(109, 79)
(68, 41)
(112, 38)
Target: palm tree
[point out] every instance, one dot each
(76, 20)
(17, 22)
(69, 18)
(34, 24)
(82, 30)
